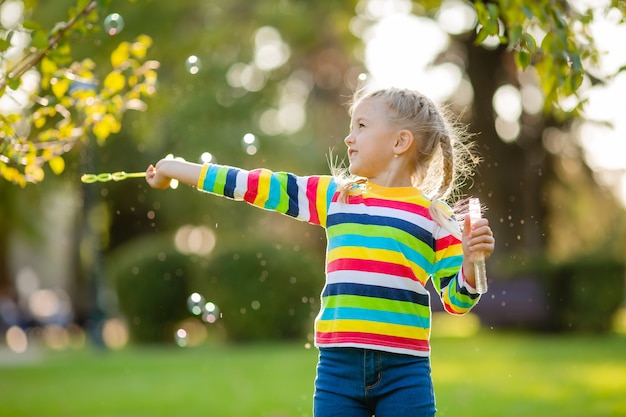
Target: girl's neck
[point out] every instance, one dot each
(389, 181)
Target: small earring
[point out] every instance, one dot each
(395, 155)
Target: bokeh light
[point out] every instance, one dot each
(507, 103)
(248, 77)
(16, 339)
(270, 50)
(197, 240)
(115, 333)
(456, 17)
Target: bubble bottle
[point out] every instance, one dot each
(480, 270)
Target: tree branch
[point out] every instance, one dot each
(33, 59)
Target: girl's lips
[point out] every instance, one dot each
(351, 153)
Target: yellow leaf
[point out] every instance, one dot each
(87, 75)
(120, 54)
(66, 131)
(139, 50)
(116, 126)
(59, 88)
(57, 165)
(151, 76)
(34, 173)
(102, 130)
(117, 101)
(83, 95)
(145, 39)
(114, 82)
(88, 64)
(48, 66)
(39, 119)
(95, 110)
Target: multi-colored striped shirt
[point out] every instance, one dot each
(382, 248)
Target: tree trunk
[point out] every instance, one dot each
(512, 177)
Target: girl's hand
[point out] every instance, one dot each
(167, 169)
(156, 179)
(477, 238)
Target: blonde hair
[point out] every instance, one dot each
(444, 157)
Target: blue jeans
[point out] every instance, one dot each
(362, 383)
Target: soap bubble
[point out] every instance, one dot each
(195, 303)
(113, 24)
(193, 64)
(250, 144)
(211, 313)
(181, 337)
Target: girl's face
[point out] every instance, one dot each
(371, 140)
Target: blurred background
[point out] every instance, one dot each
(117, 266)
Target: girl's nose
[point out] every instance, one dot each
(348, 140)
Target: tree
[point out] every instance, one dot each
(58, 102)
(225, 94)
(46, 125)
(526, 210)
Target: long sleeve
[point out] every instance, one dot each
(382, 248)
(304, 198)
(457, 296)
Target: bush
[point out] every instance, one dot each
(262, 293)
(584, 294)
(266, 293)
(152, 289)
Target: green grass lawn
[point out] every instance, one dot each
(488, 374)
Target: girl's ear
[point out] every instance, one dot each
(404, 142)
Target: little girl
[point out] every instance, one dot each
(388, 232)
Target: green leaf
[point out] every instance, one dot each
(547, 43)
(481, 36)
(494, 11)
(82, 4)
(559, 20)
(515, 35)
(576, 80)
(31, 25)
(529, 42)
(4, 45)
(14, 83)
(522, 59)
(40, 39)
(576, 62)
(527, 12)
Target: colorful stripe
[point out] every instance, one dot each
(383, 247)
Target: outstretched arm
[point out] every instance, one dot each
(166, 170)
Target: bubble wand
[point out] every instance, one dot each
(480, 270)
(108, 176)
